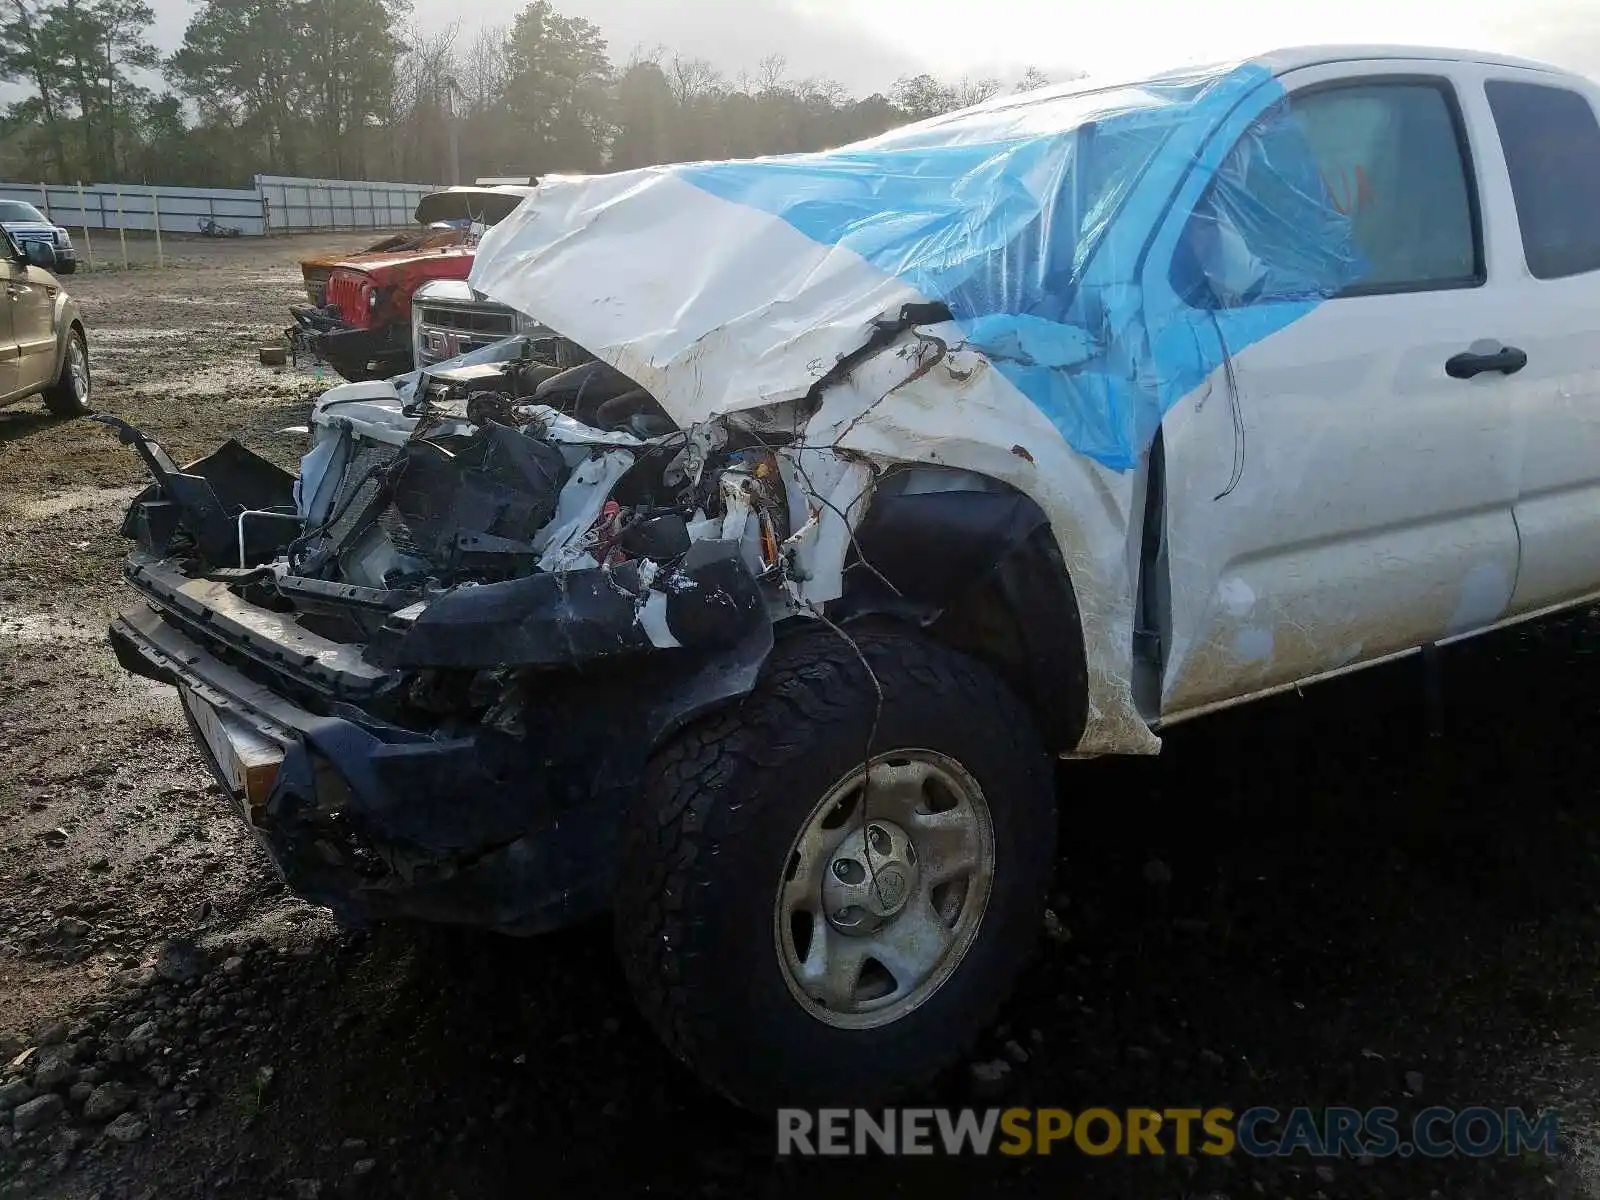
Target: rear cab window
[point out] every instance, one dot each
(1391, 158)
(1551, 141)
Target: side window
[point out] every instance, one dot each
(1552, 146)
(1361, 188)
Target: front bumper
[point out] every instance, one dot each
(377, 822)
(357, 354)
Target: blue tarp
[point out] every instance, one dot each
(1030, 219)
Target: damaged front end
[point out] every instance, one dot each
(431, 668)
(374, 348)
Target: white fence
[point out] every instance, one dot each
(277, 204)
(132, 206)
(299, 205)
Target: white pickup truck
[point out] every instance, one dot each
(751, 588)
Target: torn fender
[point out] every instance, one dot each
(975, 562)
(962, 414)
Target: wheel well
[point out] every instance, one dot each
(974, 563)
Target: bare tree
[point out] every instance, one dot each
(974, 91)
(482, 71)
(1032, 79)
(824, 92)
(692, 78)
(426, 62)
(422, 103)
(641, 54)
(771, 72)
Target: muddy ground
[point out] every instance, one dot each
(1312, 902)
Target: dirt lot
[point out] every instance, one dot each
(1314, 902)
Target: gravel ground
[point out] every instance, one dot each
(1310, 902)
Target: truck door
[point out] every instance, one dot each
(1334, 495)
(1546, 196)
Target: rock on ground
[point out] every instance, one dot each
(107, 1101)
(38, 1112)
(127, 1128)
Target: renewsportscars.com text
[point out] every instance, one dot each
(1260, 1132)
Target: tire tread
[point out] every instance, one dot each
(812, 692)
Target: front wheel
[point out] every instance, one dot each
(70, 267)
(68, 396)
(804, 920)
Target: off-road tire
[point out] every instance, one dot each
(705, 845)
(62, 397)
(67, 268)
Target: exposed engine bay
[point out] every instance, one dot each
(523, 468)
(536, 511)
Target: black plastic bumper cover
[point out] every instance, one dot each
(377, 822)
(513, 833)
(351, 351)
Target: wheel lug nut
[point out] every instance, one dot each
(848, 870)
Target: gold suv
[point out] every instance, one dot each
(43, 347)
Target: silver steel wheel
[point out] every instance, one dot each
(78, 370)
(884, 890)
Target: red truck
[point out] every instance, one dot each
(359, 318)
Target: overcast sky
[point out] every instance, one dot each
(866, 44)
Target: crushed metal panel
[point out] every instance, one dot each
(1090, 507)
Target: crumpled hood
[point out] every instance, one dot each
(726, 286)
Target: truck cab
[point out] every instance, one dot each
(1412, 461)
